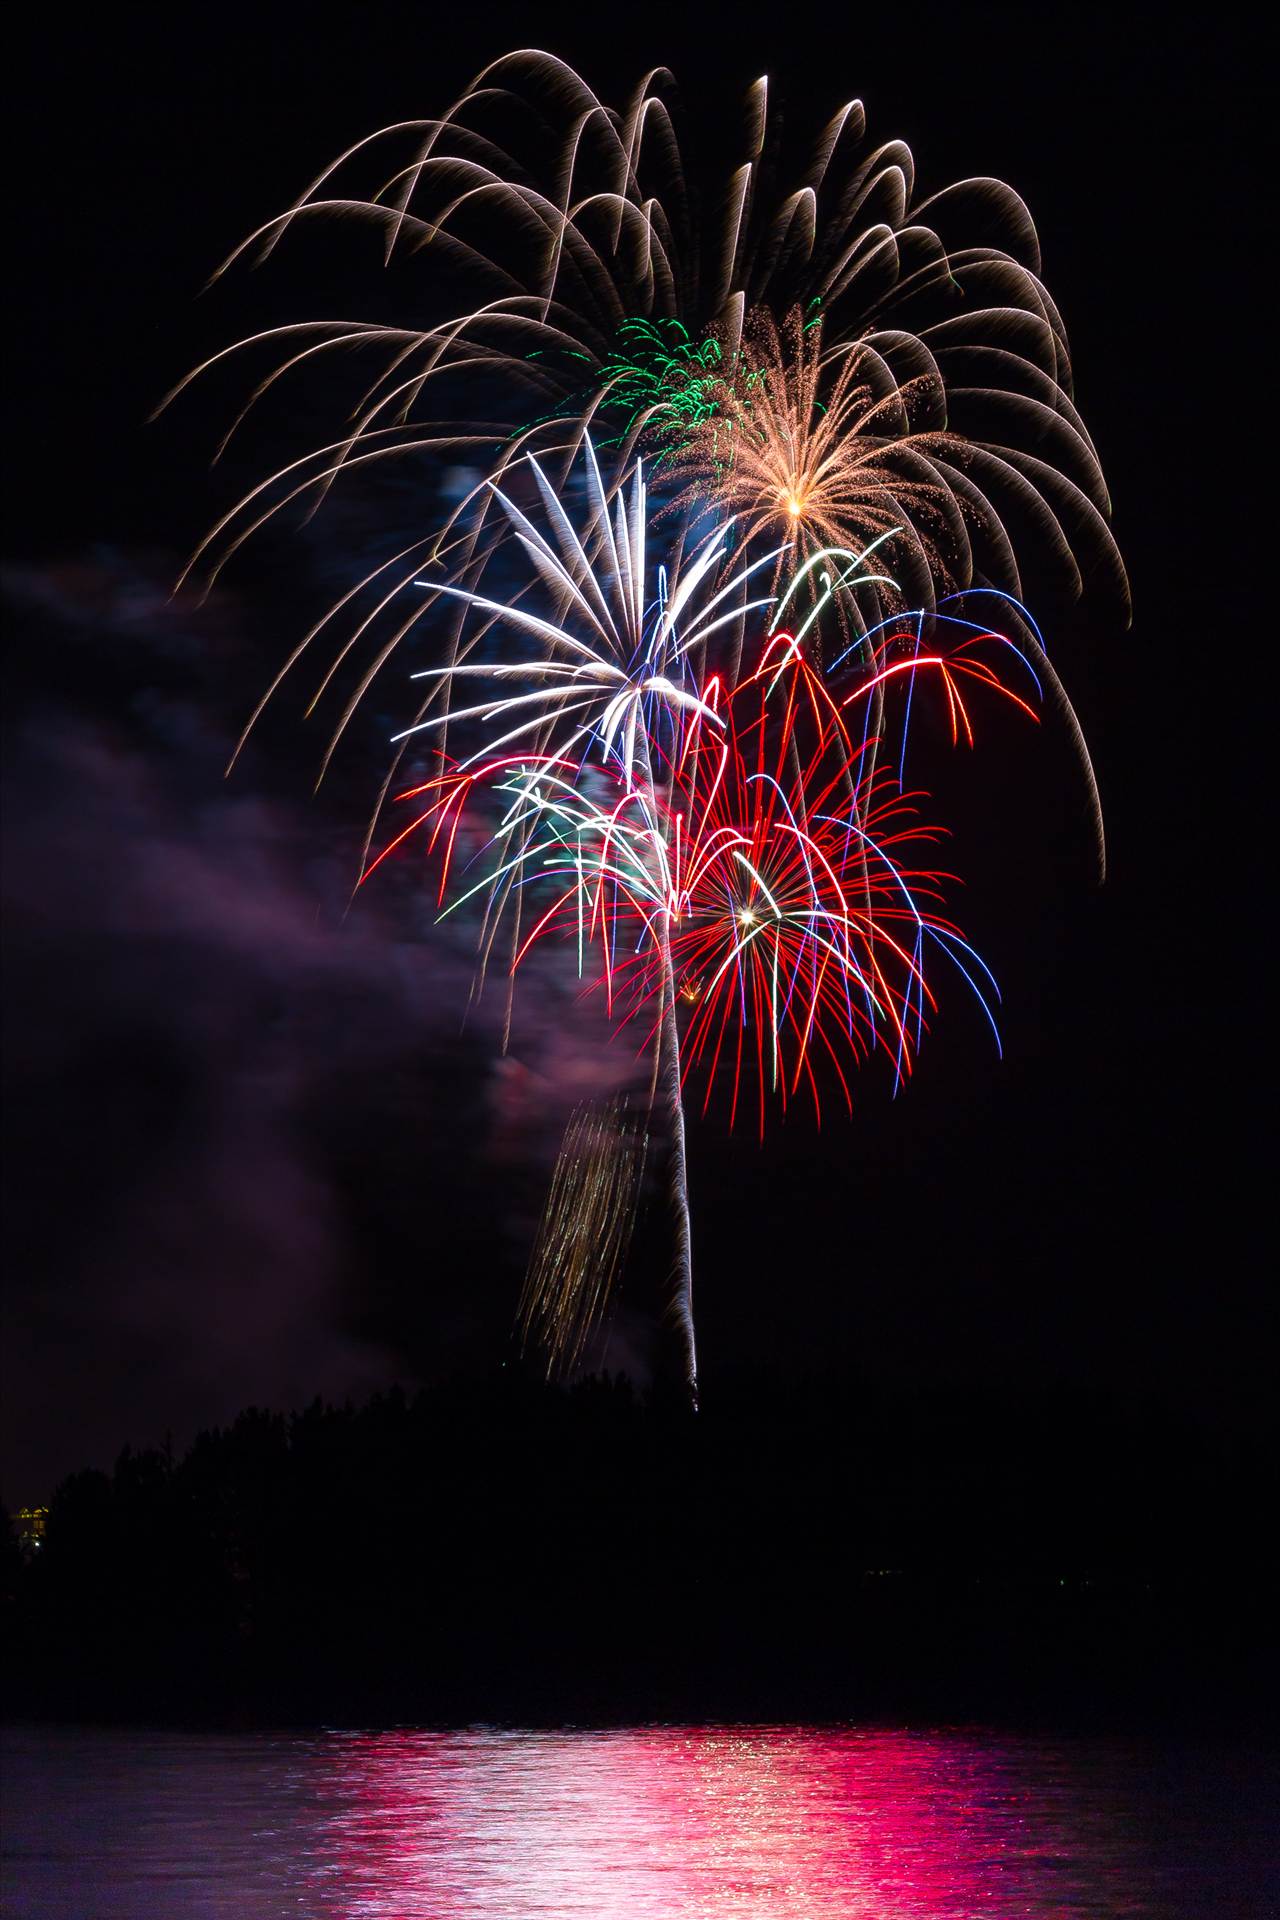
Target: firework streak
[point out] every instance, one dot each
(585, 1231)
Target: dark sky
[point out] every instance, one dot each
(250, 1154)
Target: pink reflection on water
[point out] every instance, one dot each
(720, 1824)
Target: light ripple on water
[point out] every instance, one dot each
(758, 1823)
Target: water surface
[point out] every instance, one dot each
(760, 1823)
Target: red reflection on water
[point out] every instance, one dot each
(713, 1824)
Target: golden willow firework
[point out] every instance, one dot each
(589, 287)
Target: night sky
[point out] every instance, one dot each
(251, 1154)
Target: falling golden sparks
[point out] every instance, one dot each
(584, 1233)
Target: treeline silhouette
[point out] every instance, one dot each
(504, 1550)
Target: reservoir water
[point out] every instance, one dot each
(749, 1823)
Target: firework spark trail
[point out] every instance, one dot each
(581, 1244)
(667, 1070)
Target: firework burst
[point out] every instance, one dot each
(830, 450)
(801, 915)
(589, 285)
(856, 404)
